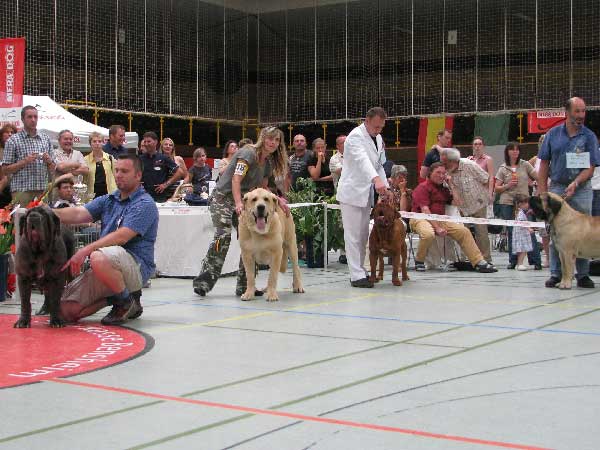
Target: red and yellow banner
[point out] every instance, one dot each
(428, 129)
(539, 122)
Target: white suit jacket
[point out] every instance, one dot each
(362, 163)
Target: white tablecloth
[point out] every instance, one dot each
(184, 234)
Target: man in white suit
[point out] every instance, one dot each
(364, 156)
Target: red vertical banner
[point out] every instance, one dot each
(12, 72)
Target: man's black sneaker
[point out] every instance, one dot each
(119, 313)
(137, 307)
(553, 281)
(362, 283)
(586, 282)
(485, 267)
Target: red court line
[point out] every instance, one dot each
(268, 412)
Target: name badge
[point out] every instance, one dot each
(578, 160)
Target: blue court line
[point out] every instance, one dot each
(413, 321)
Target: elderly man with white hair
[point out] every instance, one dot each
(469, 185)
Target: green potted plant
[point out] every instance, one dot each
(310, 222)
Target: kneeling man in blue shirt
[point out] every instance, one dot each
(122, 259)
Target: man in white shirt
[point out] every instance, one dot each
(363, 173)
(67, 159)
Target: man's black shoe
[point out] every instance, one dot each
(537, 267)
(137, 307)
(257, 292)
(362, 283)
(119, 313)
(343, 259)
(511, 266)
(586, 282)
(201, 292)
(553, 281)
(420, 266)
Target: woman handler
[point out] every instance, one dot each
(249, 168)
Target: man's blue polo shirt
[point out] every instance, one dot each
(115, 152)
(137, 212)
(558, 143)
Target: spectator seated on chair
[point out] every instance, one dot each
(431, 197)
(63, 187)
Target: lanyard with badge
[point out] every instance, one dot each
(579, 159)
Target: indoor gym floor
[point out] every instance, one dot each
(448, 361)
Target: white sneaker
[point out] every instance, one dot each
(522, 267)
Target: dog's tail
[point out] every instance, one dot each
(284, 260)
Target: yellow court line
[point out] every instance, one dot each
(258, 314)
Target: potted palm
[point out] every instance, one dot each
(310, 222)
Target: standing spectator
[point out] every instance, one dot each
(160, 171)
(363, 173)
(337, 160)
(569, 156)
(513, 178)
(318, 167)
(228, 151)
(5, 133)
(29, 158)
(535, 162)
(116, 137)
(252, 166)
(299, 160)
(69, 160)
(484, 161)
(167, 147)
(101, 177)
(122, 259)
(444, 140)
(521, 236)
(469, 185)
(431, 197)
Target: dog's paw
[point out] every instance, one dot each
(56, 322)
(405, 278)
(272, 296)
(23, 322)
(298, 290)
(247, 296)
(379, 278)
(397, 282)
(564, 285)
(373, 279)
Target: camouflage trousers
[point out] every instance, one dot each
(222, 208)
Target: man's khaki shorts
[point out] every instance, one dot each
(87, 289)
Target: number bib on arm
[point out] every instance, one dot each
(241, 168)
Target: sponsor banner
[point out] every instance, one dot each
(539, 122)
(40, 352)
(12, 72)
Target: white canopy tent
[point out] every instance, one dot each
(53, 118)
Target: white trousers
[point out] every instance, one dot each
(356, 234)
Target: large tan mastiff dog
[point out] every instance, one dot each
(267, 236)
(575, 235)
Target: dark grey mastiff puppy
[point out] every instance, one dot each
(44, 247)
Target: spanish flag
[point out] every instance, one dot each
(428, 129)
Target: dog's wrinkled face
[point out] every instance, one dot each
(39, 226)
(384, 215)
(260, 206)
